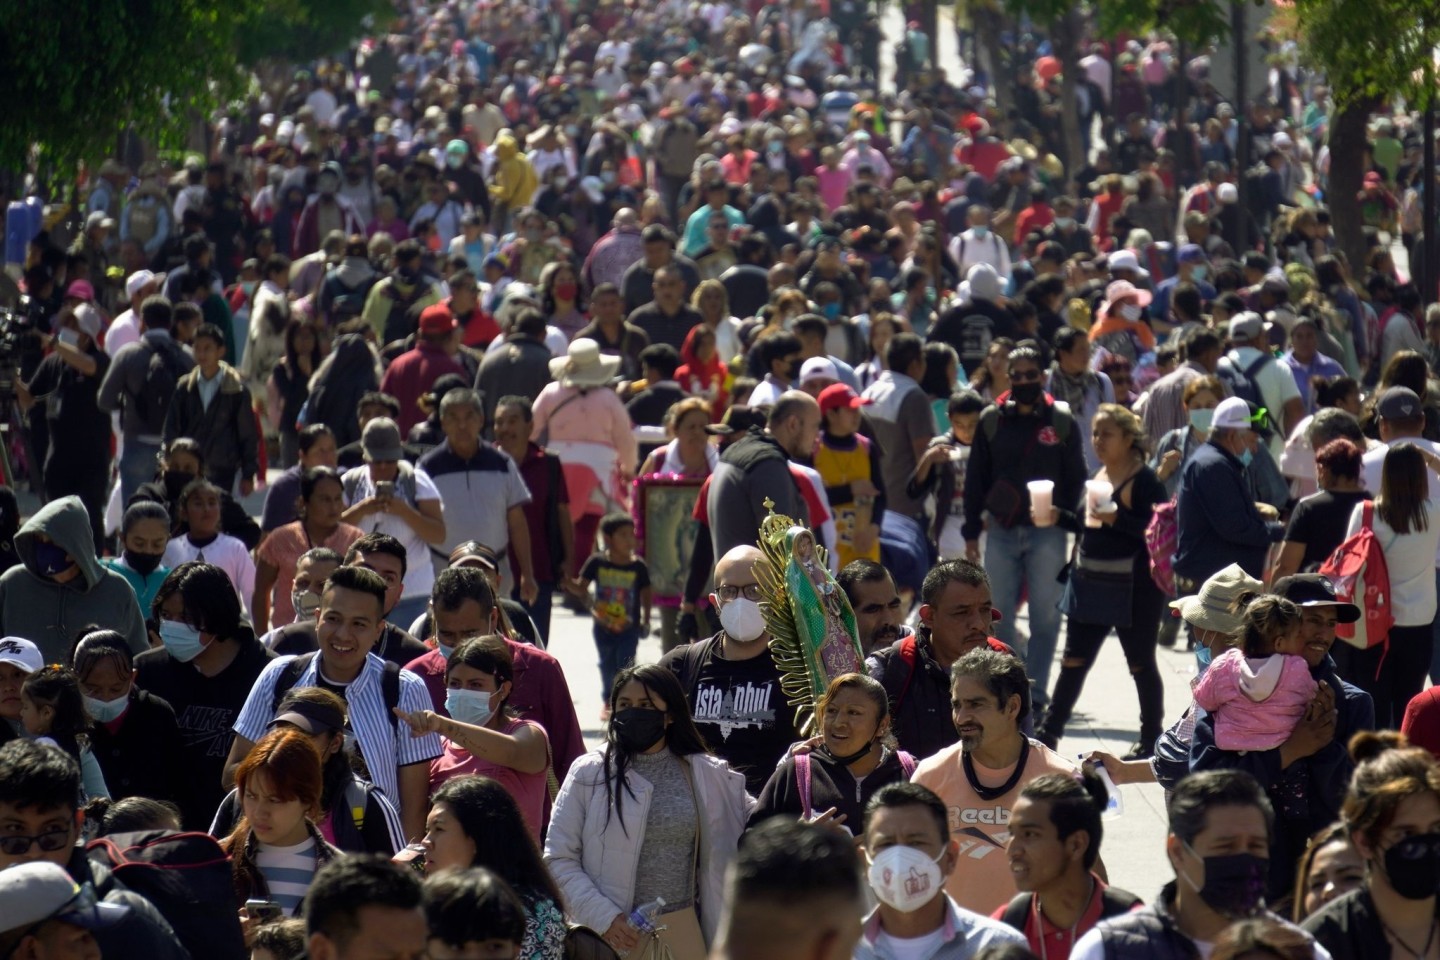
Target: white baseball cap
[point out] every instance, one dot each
(137, 281)
(1232, 414)
(22, 653)
(818, 368)
(31, 893)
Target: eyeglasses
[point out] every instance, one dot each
(13, 845)
(728, 592)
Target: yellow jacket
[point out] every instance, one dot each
(515, 181)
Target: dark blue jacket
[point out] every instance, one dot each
(1218, 522)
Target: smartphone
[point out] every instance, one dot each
(385, 489)
(68, 337)
(263, 911)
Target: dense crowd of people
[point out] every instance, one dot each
(514, 306)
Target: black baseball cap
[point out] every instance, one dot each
(309, 717)
(1315, 590)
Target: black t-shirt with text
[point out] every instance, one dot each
(738, 707)
(205, 710)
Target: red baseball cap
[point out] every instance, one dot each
(437, 319)
(840, 396)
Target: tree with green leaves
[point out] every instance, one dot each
(76, 78)
(1371, 51)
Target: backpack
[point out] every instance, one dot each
(397, 326)
(162, 374)
(802, 777)
(389, 689)
(1114, 902)
(976, 333)
(1361, 576)
(1162, 535)
(1241, 382)
(187, 877)
(345, 303)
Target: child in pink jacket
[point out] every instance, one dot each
(1259, 691)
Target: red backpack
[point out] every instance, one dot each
(1162, 535)
(1361, 576)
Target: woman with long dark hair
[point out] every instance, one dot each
(289, 386)
(642, 800)
(351, 370)
(1406, 521)
(474, 822)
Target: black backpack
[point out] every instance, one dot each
(163, 371)
(292, 671)
(187, 877)
(1242, 383)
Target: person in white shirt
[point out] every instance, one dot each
(1279, 394)
(980, 244)
(388, 495)
(203, 541)
(126, 327)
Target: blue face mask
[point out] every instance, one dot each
(981, 232)
(469, 706)
(1247, 457)
(106, 711)
(1197, 273)
(1201, 419)
(831, 310)
(181, 640)
(1202, 657)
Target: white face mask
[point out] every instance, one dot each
(905, 878)
(742, 620)
(1130, 312)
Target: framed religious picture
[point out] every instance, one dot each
(666, 531)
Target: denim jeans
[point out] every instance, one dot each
(539, 610)
(138, 463)
(617, 651)
(1028, 558)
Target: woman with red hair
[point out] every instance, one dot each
(276, 849)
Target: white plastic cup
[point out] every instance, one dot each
(1042, 493)
(1098, 499)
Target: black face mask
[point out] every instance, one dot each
(637, 729)
(1413, 866)
(1234, 883)
(143, 563)
(850, 758)
(175, 481)
(1025, 394)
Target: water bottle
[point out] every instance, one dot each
(642, 918)
(1115, 806)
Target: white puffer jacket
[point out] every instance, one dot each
(594, 858)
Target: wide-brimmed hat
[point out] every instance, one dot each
(1210, 608)
(584, 365)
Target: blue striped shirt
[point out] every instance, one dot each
(287, 872)
(384, 746)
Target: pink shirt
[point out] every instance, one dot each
(1257, 701)
(282, 549)
(528, 789)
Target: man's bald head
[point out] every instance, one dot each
(795, 422)
(737, 567)
(625, 217)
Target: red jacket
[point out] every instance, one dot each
(411, 375)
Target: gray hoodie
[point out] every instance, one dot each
(52, 615)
